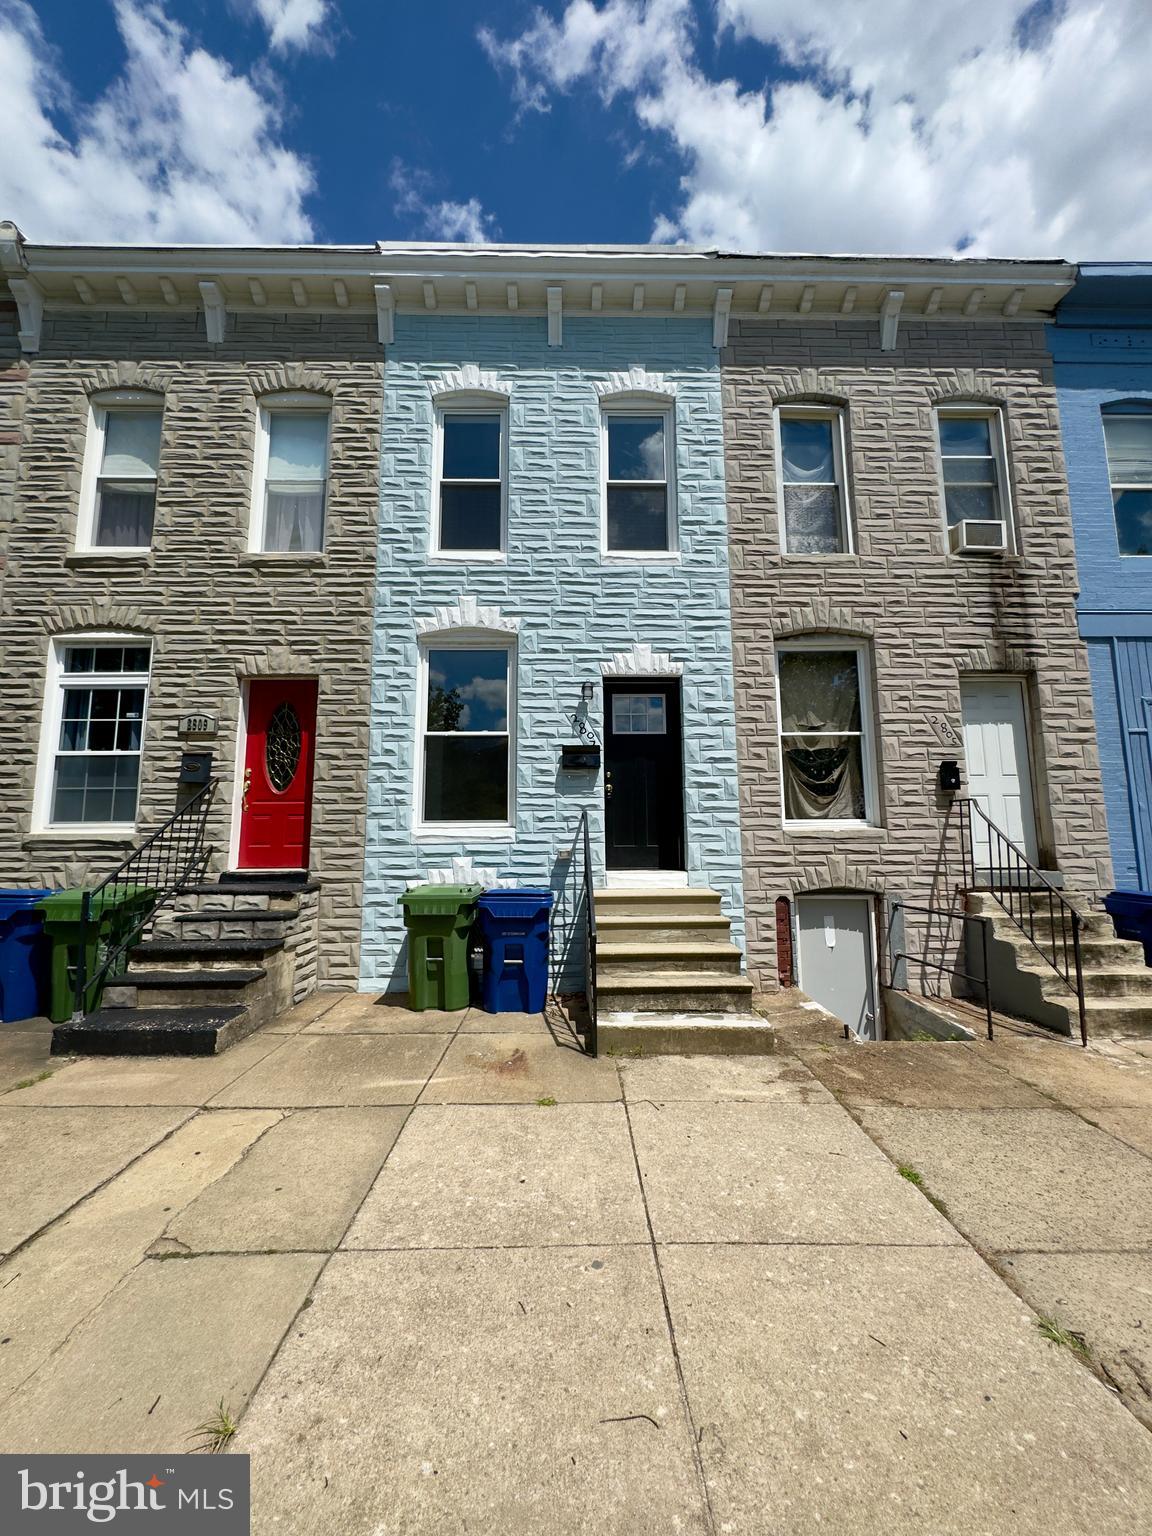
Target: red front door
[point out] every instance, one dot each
(276, 807)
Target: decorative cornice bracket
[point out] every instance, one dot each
(212, 297)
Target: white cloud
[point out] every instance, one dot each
(179, 147)
(995, 126)
(439, 218)
(293, 23)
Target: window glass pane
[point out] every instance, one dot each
(466, 778)
(131, 444)
(638, 714)
(297, 446)
(467, 690)
(78, 658)
(819, 691)
(96, 789)
(1129, 440)
(471, 448)
(824, 778)
(966, 434)
(970, 471)
(124, 514)
(637, 519)
(975, 501)
(636, 448)
(807, 447)
(137, 658)
(470, 516)
(294, 518)
(812, 519)
(1134, 521)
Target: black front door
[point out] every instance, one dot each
(643, 776)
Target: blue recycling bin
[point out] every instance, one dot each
(1131, 913)
(514, 930)
(24, 953)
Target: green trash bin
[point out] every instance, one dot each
(439, 919)
(115, 912)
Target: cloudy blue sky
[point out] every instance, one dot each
(1005, 127)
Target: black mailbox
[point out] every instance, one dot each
(195, 767)
(580, 756)
(949, 776)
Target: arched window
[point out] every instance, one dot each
(812, 480)
(121, 469)
(290, 478)
(1128, 438)
(827, 761)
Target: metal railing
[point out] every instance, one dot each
(115, 913)
(950, 917)
(1027, 896)
(584, 842)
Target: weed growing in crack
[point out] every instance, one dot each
(1056, 1333)
(547, 1102)
(216, 1430)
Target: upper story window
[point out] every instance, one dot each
(120, 472)
(813, 492)
(93, 739)
(975, 484)
(466, 748)
(1128, 435)
(637, 455)
(291, 478)
(470, 513)
(825, 740)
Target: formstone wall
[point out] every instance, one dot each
(575, 609)
(215, 614)
(927, 617)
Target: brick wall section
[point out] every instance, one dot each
(216, 614)
(927, 616)
(576, 609)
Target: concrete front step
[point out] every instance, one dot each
(615, 960)
(178, 989)
(697, 1034)
(1093, 924)
(1112, 1016)
(660, 928)
(194, 1031)
(202, 954)
(686, 992)
(657, 902)
(1095, 954)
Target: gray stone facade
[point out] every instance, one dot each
(215, 613)
(927, 617)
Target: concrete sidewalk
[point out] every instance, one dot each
(455, 1277)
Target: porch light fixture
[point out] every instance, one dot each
(586, 692)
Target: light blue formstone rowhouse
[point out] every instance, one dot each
(571, 612)
(1102, 346)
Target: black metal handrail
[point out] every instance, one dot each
(1015, 882)
(590, 992)
(114, 913)
(942, 965)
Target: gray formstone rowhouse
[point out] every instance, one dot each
(933, 625)
(211, 614)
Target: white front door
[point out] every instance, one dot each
(837, 968)
(996, 756)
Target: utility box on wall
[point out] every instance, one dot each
(195, 767)
(579, 756)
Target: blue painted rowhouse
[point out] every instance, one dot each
(1102, 347)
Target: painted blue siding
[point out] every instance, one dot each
(1102, 348)
(575, 609)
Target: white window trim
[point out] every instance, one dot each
(815, 412)
(98, 409)
(461, 404)
(1109, 411)
(50, 719)
(638, 405)
(464, 831)
(267, 405)
(867, 740)
(994, 414)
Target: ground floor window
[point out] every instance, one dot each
(94, 732)
(824, 746)
(466, 744)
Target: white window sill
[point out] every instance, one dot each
(110, 552)
(81, 832)
(283, 557)
(465, 832)
(469, 556)
(817, 828)
(810, 556)
(639, 557)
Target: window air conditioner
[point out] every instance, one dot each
(983, 536)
